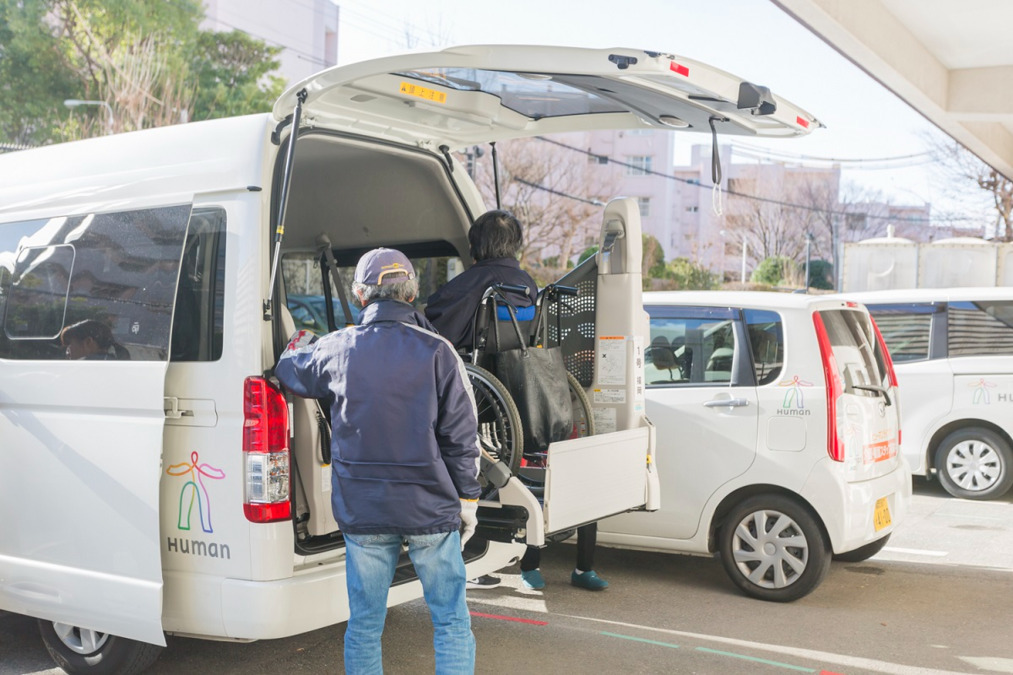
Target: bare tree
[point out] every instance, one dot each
(552, 190)
(962, 168)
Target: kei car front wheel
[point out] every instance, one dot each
(773, 548)
(81, 650)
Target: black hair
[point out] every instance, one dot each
(495, 234)
(97, 331)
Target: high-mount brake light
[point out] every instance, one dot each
(679, 69)
(835, 444)
(266, 451)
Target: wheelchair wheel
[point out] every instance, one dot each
(499, 422)
(532, 473)
(583, 419)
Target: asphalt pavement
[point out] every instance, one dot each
(936, 600)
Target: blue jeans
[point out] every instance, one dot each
(370, 563)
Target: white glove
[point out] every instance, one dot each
(469, 519)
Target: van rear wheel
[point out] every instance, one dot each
(773, 548)
(975, 463)
(80, 650)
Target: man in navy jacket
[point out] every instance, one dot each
(404, 457)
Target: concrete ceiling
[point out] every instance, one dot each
(952, 60)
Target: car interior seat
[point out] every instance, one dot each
(663, 358)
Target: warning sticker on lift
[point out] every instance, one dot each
(604, 420)
(612, 360)
(609, 395)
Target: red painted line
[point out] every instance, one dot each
(510, 618)
(828, 672)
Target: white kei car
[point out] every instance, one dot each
(778, 432)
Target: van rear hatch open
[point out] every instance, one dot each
(476, 94)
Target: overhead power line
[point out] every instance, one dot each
(912, 159)
(767, 200)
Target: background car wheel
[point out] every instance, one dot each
(773, 549)
(79, 650)
(975, 463)
(863, 552)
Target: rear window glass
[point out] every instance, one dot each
(980, 328)
(532, 95)
(853, 342)
(906, 329)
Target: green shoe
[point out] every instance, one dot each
(588, 580)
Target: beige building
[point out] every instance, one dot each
(307, 30)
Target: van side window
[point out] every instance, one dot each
(198, 320)
(906, 329)
(116, 269)
(38, 296)
(980, 328)
(690, 346)
(766, 340)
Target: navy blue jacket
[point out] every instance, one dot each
(404, 433)
(452, 308)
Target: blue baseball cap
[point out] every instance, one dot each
(383, 265)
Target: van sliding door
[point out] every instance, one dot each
(87, 303)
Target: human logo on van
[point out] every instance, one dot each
(194, 493)
(794, 396)
(981, 388)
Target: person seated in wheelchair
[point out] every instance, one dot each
(495, 240)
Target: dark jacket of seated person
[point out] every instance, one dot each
(452, 308)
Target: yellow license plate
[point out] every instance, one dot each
(881, 516)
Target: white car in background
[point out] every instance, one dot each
(953, 350)
(778, 435)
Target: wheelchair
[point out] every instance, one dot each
(500, 427)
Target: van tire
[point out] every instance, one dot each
(863, 553)
(786, 573)
(108, 655)
(959, 457)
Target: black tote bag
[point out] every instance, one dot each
(536, 379)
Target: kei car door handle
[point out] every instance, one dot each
(727, 403)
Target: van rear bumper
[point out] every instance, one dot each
(219, 608)
(847, 509)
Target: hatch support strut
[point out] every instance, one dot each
(286, 183)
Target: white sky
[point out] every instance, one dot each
(753, 39)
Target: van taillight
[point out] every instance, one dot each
(835, 446)
(265, 448)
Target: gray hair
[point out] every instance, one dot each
(405, 291)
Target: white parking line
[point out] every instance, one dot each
(811, 654)
(915, 551)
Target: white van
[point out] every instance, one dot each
(953, 350)
(168, 486)
(777, 437)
